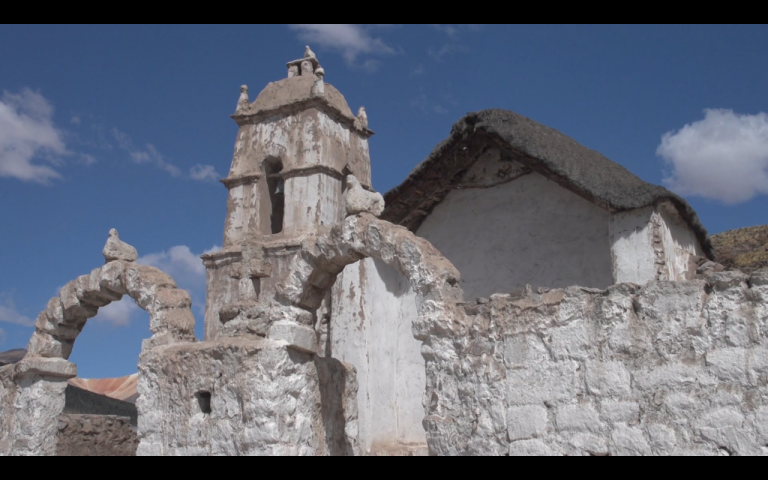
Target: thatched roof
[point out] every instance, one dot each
(542, 149)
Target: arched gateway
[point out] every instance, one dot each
(33, 391)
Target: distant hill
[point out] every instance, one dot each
(124, 389)
(745, 249)
(11, 356)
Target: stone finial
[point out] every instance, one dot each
(318, 88)
(320, 72)
(362, 117)
(116, 249)
(308, 53)
(360, 200)
(244, 102)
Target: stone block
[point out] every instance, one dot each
(178, 321)
(578, 419)
(680, 406)
(759, 278)
(673, 376)
(111, 277)
(545, 383)
(531, 448)
(726, 428)
(56, 330)
(610, 379)
(44, 345)
(730, 365)
(590, 444)
(663, 439)
(74, 312)
(297, 336)
(761, 424)
(522, 350)
(116, 249)
(726, 280)
(46, 367)
(524, 423)
(620, 412)
(171, 298)
(570, 342)
(142, 282)
(629, 442)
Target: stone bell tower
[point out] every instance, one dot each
(296, 144)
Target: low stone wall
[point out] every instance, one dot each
(667, 369)
(82, 402)
(96, 436)
(244, 397)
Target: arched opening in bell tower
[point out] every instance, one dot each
(276, 189)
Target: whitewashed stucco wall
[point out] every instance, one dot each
(651, 243)
(373, 309)
(679, 243)
(530, 231)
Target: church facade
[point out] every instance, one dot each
(517, 294)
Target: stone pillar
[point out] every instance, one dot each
(242, 209)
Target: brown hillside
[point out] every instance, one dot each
(745, 249)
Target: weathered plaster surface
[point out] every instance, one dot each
(370, 327)
(670, 368)
(95, 436)
(310, 138)
(651, 243)
(680, 243)
(632, 249)
(312, 203)
(266, 399)
(526, 232)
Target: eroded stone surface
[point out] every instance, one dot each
(95, 436)
(627, 371)
(116, 249)
(359, 200)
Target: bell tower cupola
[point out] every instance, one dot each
(296, 143)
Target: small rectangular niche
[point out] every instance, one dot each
(204, 401)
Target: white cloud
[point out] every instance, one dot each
(148, 154)
(27, 137)
(453, 29)
(447, 49)
(87, 159)
(3, 337)
(75, 120)
(8, 313)
(118, 313)
(204, 173)
(722, 157)
(351, 40)
(177, 261)
(419, 70)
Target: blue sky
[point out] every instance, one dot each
(128, 127)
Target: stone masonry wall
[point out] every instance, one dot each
(671, 368)
(96, 436)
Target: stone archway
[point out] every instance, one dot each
(34, 389)
(435, 283)
(313, 272)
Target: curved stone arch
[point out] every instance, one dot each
(433, 278)
(169, 308)
(35, 388)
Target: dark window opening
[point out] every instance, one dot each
(276, 187)
(204, 400)
(344, 174)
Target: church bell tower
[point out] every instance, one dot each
(295, 146)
